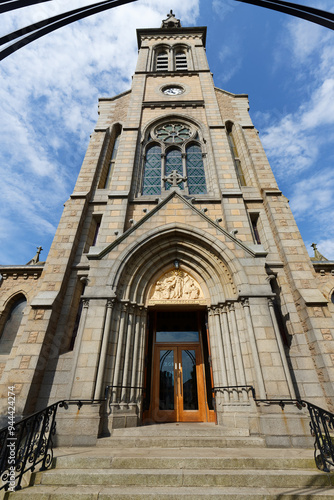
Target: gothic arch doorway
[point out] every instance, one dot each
(178, 377)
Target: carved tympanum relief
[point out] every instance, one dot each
(176, 286)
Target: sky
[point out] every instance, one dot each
(49, 92)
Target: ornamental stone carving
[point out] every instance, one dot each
(178, 287)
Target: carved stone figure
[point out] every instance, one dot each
(176, 285)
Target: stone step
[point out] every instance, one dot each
(187, 478)
(181, 441)
(202, 429)
(41, 492)
(212, 458)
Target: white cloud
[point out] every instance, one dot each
(48, 100)
(314, 196)
(326, 248)
(230, 58)
(223, 7)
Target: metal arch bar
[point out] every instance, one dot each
(18, 4)
(46, 22)
(316, 16)
(51, 25)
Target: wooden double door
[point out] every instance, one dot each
(178, 383)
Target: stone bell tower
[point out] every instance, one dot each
(177, 283)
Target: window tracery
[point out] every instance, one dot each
(173, 149)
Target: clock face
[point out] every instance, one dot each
(173, 90)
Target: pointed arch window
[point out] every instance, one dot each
(195, 170)
(235, 155)
(173, 162)
(12, 324)
(152, 171)
(176, 148)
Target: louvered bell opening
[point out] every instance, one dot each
(162, 62)
(180, 61)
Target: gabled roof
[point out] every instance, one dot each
(98, 253)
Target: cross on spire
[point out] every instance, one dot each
(171, 21)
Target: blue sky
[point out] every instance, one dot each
(49, 92)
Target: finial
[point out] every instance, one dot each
(171, 21)
(35, 259)
(318, 257)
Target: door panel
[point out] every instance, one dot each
(189, 380)
(178, 390)
(166, 384)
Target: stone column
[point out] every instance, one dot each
(281, 348)
(255, 354)
(128, 345)
(140, 372)
(104, 347)
(136, 355)
(221, 358)
(78, 342)
(241, 377)
(121, 331)
(228, 349)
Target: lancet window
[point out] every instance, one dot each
(12, 324)
(173, 157)
(235, 155)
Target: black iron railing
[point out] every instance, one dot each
(321, 428)
(321, 423)
(28, 444)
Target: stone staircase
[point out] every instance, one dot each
(180, 461)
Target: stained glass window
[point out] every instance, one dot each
(173, 162)
(162, 160)
(173, 133)
(195, 170)
(152, 171)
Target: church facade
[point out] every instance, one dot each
(177, 284)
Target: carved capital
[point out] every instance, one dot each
(111, 303)
(245, 302)
(85, 303)
(231, 306)
(124, 306)
(270, 302)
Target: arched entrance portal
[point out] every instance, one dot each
(164, 359)
(178, 378)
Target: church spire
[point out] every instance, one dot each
(171, 21)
